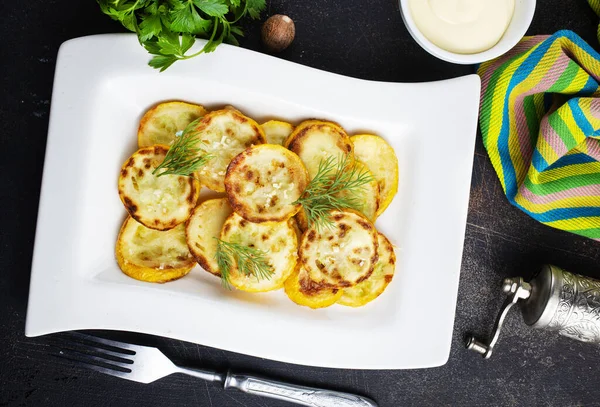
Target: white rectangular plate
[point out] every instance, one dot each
(103, 86)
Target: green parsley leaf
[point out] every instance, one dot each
(234, 29)
(230, 39)
(152, 46)
(175, 44)
(214, 8)
(169, 44)
(162, 62)
(152, 8)
(185, 19)
(186, 42)
(129, 21)
(234, 3)
(123, 11)
(255, 7)
(151, 26)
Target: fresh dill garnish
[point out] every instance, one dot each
(249, 261)
(336, 186)
(185, 157)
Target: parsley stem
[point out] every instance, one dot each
(242, 14)
(132, 8)
(207, 43)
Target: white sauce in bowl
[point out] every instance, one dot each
(462, 26)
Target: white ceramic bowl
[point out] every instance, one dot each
(524, 10)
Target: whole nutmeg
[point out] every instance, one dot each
(278, 32)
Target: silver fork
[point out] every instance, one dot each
(146, 364)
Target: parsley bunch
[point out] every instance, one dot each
(168, 28)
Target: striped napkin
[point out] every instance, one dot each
(540, 121)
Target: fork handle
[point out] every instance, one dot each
(304, 396)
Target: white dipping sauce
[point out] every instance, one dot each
(462, 26)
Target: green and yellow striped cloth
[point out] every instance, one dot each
(540, 121)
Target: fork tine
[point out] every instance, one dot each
(88, 348)
(85, 357)
(97, 368)
(122, 347)
(123, 375)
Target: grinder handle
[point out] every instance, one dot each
(516, 289)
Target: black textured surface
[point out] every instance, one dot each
(351, 37)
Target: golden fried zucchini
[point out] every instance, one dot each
(277, 131)
(343, 254)
(276, 239)
(224, 134)
(301, 220)
(297, 228)
(160, 124)
(157, 202)
(381, 160)
(366, 291)
(315, 140)
(264, 181)
(367, 195)
(235, 109)
(203, 226)
(151, 255)
(303, 291)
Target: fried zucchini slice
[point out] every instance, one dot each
(235, 109)
(303, 291)
(151, 255)
(277, 132)
(315, 140)
(160, 124)
(276, 239)
(297, 229)
(157, 202)
(301, 220)
(367, 195)
(224, 134)
(203, 226)
(264, 181)
(372, 287)
(342, 255)
(381, 160)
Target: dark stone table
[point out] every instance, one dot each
(363, 39)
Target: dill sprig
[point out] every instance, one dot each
(185, 157)
(336, 186)
(249, 261)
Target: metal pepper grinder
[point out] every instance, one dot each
(555, 300)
